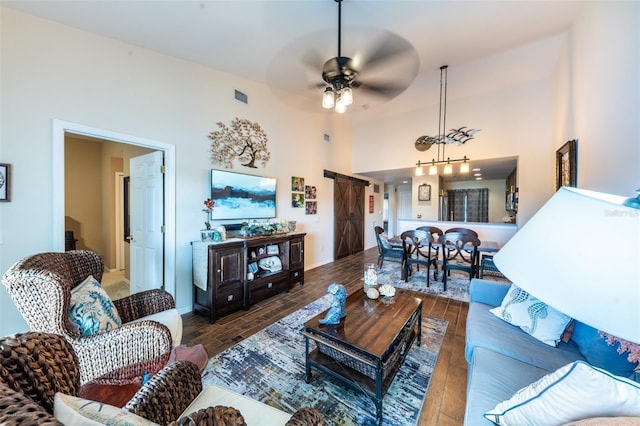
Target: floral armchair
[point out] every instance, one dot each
(40, 286)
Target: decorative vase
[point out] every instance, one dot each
(208, 235)
(370, 276)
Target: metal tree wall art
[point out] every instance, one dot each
(244, 140)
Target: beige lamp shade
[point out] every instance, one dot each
(580, 253)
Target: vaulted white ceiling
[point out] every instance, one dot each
(487, 44)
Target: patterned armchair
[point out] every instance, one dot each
(40, 286)
(35, 366)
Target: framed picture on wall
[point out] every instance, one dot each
(424, 192)
(566, 165)
(5, 182)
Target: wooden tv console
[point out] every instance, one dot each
(227, 275)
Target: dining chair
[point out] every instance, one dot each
(456, 243)
(412, 242)
(453, 253)
(436, 233)
(386, 250)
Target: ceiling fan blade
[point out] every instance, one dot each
(387, 48)
(312, 59)
(388, 91)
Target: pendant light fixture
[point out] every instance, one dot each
(458, 136)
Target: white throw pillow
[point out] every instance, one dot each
(538, 319)
(172, 319)
(71, 411)
(91, 310)
(573, 392)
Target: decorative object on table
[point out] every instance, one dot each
(567, 165)
(291, 225)
(387, 290)
(222, 231)
(424, 192)
(208, 234)
(458, 136)
(5, 182)
(254, 228)
(370, 276)
(590, 295)
(337, 310)
(244, 141)
(372, 293)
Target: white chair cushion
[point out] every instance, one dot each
(72, 411)
(172, 319)
(255, 413)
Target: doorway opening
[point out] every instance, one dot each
(63, 129)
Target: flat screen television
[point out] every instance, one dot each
(242, 196)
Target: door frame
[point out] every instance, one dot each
(59, 128)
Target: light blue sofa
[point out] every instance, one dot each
(503, 359)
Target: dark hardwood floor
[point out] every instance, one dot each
(445, 400)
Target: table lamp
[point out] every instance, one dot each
(580, 253)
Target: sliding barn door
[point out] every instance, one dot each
(349, 217)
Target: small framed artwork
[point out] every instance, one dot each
(566, 165)
(310, 192)
(272, 249)
(5, 182)
(297, 184)
(424, 192)
(311, 207)
(371, 203)
(297, 199)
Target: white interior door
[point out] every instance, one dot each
(147, 222)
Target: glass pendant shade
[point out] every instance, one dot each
(448, 169)
(347, 96)
(464, 167)
(340, 106)
(328, 98)
(433, 170)
(419, 171)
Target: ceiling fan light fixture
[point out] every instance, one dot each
(340, 108)
(347, 96)
(328, 99)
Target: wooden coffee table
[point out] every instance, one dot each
(369, 345)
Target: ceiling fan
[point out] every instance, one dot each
(342, 74)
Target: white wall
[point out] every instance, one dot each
(598, 102)
(49, 71)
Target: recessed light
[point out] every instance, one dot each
(477, 174)
(476, 170)
(405, 181)
(478, 178)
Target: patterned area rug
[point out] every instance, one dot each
(457, 283)
(269, 366)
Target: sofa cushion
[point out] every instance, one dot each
(484, 329)
(254, 412)
(532, 315)
(493, 377)
(573, 392)
(91, 310)
(598, 352)
(172, 319)
(71, 410)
